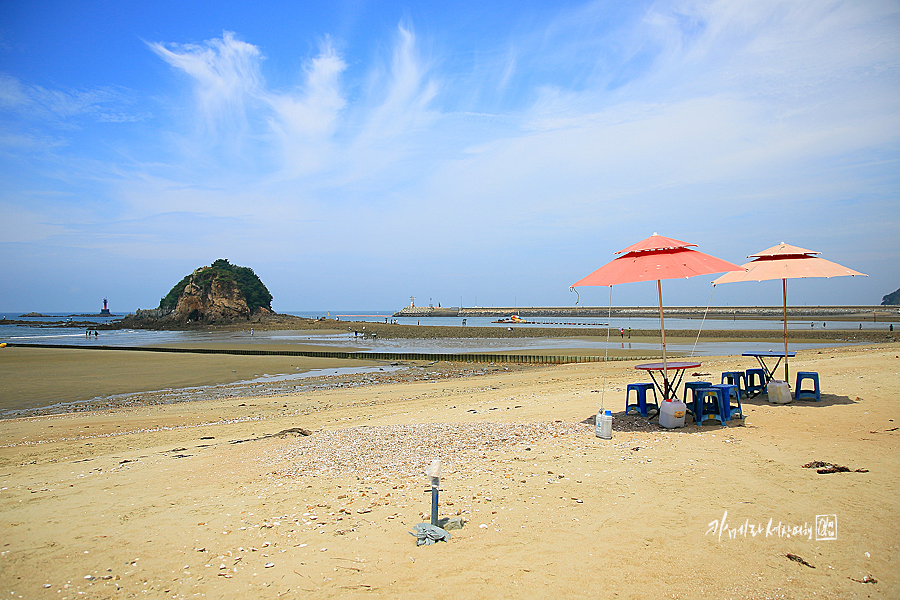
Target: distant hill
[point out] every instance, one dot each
(891, 299)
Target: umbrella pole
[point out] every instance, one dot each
(662, 328)
(784, 296)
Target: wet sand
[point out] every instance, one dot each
(37, 377)
(201, 499)
(57, 380)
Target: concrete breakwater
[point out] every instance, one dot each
(688, 312)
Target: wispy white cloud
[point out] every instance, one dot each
(65, 107)
(304, 120)
(225, 73)
(304, 124)
(12, 92)
(19, 141)
(405, 89)
(21, 225)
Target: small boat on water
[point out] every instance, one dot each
(519, 320)
(511, 319)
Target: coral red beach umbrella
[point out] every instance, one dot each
(654, 259)
(786, 262)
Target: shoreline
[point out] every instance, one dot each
(42, 379)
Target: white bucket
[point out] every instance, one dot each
(671, 414)
(779, 392)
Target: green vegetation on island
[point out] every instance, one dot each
(248, 282)
(891, 299)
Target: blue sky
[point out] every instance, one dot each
(357, 153)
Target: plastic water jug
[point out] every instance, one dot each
(779, 392)
(603, 425)
(671, 414)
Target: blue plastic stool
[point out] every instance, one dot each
(808, 394)
(730, 391)
(711, 402)
(756, 381)
(641, 390)
(736, 378)
(694, 386)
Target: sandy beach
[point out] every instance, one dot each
(226, 497)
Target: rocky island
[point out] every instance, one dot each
(220, 294)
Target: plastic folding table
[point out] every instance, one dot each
(761, 356)
(669, 387)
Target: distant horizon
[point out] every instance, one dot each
(389, 312)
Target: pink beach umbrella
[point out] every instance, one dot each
(654, 259)
(786, 262)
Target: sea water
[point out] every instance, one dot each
(62, 334)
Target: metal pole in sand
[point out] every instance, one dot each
(434, 472)
(435, 484)
(784, 296)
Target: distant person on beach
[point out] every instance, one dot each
(892, 326)
(629, 333)
(622, 332)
